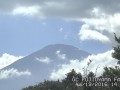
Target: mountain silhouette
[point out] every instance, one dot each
(40, 64)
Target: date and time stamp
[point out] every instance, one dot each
(97, 82)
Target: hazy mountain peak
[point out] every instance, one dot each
(41, 64)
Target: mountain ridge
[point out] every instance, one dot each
(42, 63)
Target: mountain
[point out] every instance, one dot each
(38, 66)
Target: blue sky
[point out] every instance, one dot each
(27, 26)
(21, 35)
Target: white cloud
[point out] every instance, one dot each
(7, 59)
(100, 27)
(60, 56)
(32, 10)
(45, 60)
(101, 60)
(86, 34)
(12, 73)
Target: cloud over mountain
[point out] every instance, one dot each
(60, 55)
(12, 73)
(45, 60)
(99, 62)
(7, 59)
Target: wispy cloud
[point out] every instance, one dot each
(7, 59)
(45, 60)
(60, 55)
(61, 29)
(101, 60)
(12, 73)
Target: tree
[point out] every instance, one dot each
(46, 85)
(114, 72)
(68, 81)
(116, 53)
